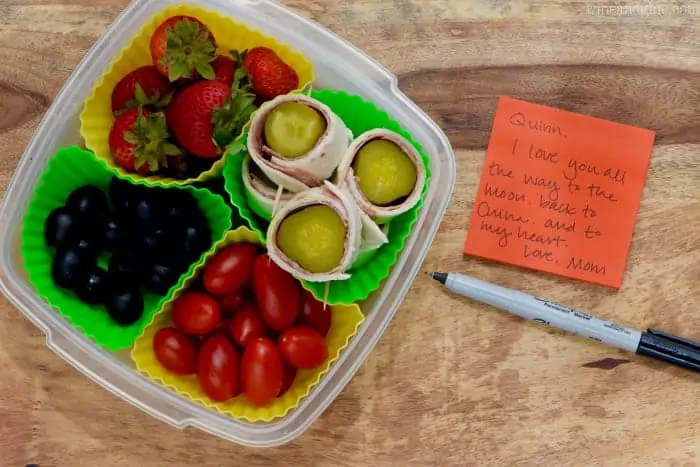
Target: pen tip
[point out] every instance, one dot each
(441, 277)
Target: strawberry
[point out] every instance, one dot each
(270, 76)
(144, 86)
(183, 47)
(224, 68)
(208, 115)
(139, 141)
(176, 163)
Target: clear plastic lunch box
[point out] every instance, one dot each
(338, 65)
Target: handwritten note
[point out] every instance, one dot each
(559, 192)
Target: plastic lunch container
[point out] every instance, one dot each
(339, 65)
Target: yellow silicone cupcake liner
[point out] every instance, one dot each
(96, 118)
(345, 321)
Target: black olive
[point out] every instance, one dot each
(134, 204)
(125, 305)
(172, 214)
(124, 268)
(88, 202)
(160, 276)
(146, 212)
(179, 206)
(67, 266)
(89, 244)
(155, 243)
(193, 239)
(61, 228)
(93, 286)
(121, 194)
(114, 236)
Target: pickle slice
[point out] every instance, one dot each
(385, 173)
(313, 237)
(292, 129)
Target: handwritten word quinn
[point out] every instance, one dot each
(540, 126)
(484, 210)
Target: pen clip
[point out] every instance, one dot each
(677, 339)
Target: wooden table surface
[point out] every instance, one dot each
(473, 387)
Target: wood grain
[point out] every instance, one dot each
(19, 105)
(662, 100)
(451, 382)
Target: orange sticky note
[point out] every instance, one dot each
(559, 192)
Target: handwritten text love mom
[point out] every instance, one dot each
(559, 192)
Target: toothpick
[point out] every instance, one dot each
(325, 295)
(278, 198)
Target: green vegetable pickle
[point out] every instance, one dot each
(292, 129)
(314, 237)
(385, 173)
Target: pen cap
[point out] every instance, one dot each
(669, 348)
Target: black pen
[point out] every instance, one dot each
(652, 343)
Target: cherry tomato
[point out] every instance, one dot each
(175, 351)
(261, 371)
(277, 293)
(247, 325)
(314, 314)
(223, 328)
(196, 313)
(229, 269)
(289, 374)
(217, 368)
(230, 303)
(303, 347)
(249, 287)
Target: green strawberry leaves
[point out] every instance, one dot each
(150, 136)
(140, 94)
(170, 149)
(206, 71)
(141, 99)
(190, 49)
(230, 119)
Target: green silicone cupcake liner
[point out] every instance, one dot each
(360, 116)
(256, 206)
(245, 204)
(72, 168)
